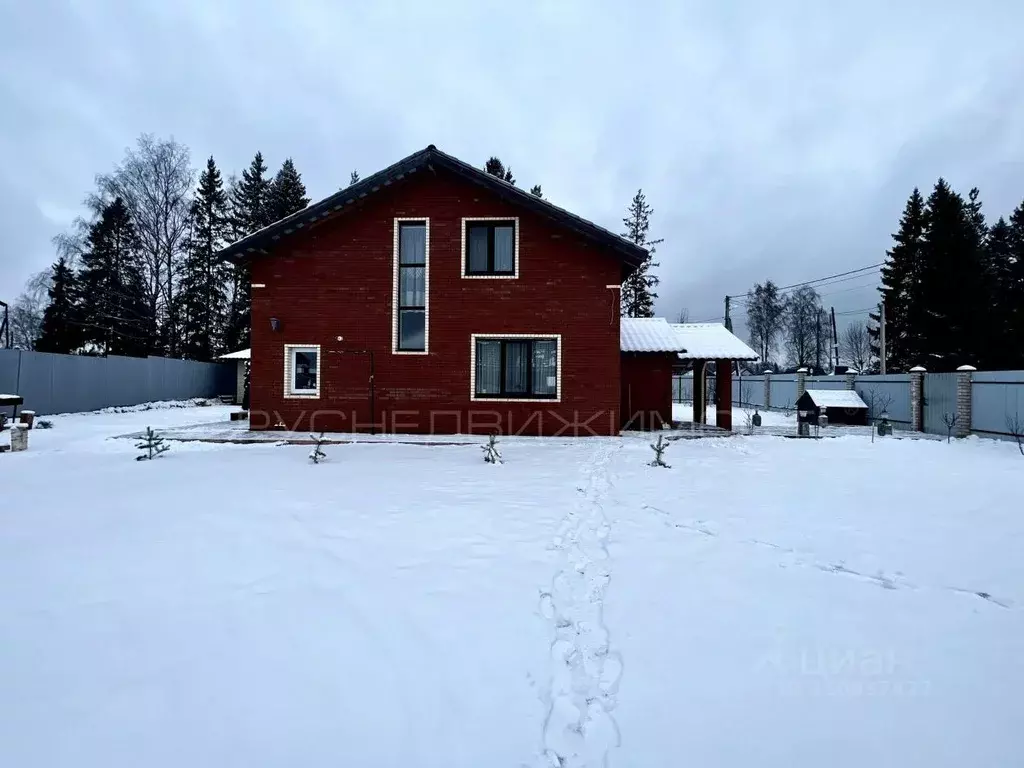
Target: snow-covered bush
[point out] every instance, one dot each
(44, 424)
(491, 453)
(317, 455)
(152, 445)
(659, 451)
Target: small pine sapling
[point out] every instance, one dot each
(950, 420)
(491, 453)
(152, 445)
(659, 451)
(317, 455)
(44, 424)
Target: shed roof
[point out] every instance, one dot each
(711, 341)
(631, 254)
(836, 398)
(648, 334)
(242, 354)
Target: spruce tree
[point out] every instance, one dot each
(1000, 341)
(951, 288)
(637, 293)
(353, 178)
(1014, 289)
(287, 193)
(536, 191)
(61, 329)
(114, 309)
(495, 167)
(900, 277)
(250, 211)
(204, 286)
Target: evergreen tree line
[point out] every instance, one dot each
(953, 286)
(140, 275)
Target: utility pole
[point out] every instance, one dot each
(881, 337)
(817, 342)
(728, 320)
(835, 336)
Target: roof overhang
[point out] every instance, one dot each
(711, 341)
(242, 354)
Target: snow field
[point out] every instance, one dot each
(764, 601)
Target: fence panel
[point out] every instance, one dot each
(783, 392)
(52, 383)
(939, 400)
(748, 390)
(996, 398)
(890, 393)
(826, 382)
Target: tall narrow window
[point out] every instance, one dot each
(516, 368)
(490, 248)
(412, 286)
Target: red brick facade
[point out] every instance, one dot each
(646, 389)
(337, 280)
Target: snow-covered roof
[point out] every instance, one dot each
(836, 398)
(242, 354)
(711, 341)
(648, 334)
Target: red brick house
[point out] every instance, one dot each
(433, 297)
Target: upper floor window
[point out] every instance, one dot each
(411, 304)
(490, 247)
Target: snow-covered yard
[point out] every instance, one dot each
(769, 419)
(765, 601)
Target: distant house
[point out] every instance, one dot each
(433, 297)
(840, 406)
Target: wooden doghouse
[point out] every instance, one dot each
(839, 406)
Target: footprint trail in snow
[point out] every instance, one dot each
(579, 729)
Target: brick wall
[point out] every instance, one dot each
(336, 280)
(646, 390)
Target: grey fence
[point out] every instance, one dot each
(748, 390)
(72, 383)
(939, 391)
(783, 394)
(890, 394)
(997, 400)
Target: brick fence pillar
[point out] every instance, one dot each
(767, 390)
(851, 378)
(917, 398)
(963, 400)
(801, 382)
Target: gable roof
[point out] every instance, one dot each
(835, 398)
(711, 341)
(428, 159)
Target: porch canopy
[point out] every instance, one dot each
(712, 341)
(241, 357)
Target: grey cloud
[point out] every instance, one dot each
(773, 140)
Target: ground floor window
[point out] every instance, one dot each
(516, 368)
(301, 370)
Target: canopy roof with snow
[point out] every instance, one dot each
(648, 334)
(711, 341)
(836, 398)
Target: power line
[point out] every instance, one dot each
(823, 279)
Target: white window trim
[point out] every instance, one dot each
(289, 365)
(472, 368)
(515, 274)
(426, 290)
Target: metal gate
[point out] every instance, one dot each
(939, 401)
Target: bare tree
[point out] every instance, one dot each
(801, 328)
(855, 346)
(683, 316)
(878, 403)
(1015, 427)
(155, 181)
(766, 310)
(27, 311)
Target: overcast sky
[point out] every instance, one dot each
(774, 140)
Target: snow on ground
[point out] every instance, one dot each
(765, 601)
(684, 412)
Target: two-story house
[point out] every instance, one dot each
(432, 297)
